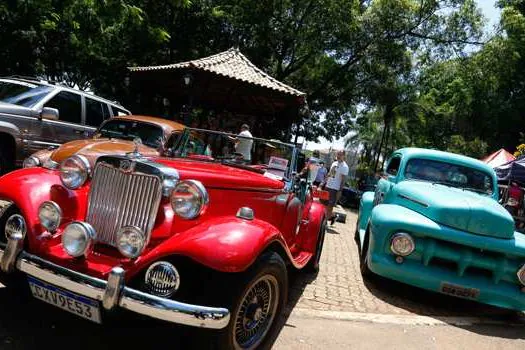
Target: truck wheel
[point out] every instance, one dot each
(313, 264)
(363, 258)
(256, 304)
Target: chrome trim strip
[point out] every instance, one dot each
(130, 299)
(413, 200)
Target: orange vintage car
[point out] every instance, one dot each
(116, 136)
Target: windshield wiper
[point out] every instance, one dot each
(477, 190)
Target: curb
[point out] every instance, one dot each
(403, 319)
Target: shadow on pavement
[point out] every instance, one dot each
(298, 280)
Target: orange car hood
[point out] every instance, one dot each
(92, 149)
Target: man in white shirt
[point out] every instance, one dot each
(243, 145)
(335, 181)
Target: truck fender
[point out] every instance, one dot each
(10, 129)
(227, 244)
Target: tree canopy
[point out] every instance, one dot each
(392, 72)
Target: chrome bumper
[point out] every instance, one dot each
(111, 293)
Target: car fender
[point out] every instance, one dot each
(28, 188)
(310, 226)
(365, 210)
(13, 130)
(227, 243)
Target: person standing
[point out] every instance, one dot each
(335, 182)
(244, 142)
(321, 174)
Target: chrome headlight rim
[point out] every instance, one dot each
(31, 162)
(170, 268)
(402, 235)
(15, 223)
(202, 196)
(89, 237)
(84, 171)
(55, 225)
(521, 275)
(136, 230)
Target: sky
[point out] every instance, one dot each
(489, 10)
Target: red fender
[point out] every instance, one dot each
(39, 185)
(227, 244)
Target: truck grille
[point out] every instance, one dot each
(118, 198)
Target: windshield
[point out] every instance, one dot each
(274, 158)
(150, 135)
(449, 174)
(26, 95)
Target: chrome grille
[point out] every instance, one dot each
(118, 198)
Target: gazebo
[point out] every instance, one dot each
(225, 86)
(498, 158)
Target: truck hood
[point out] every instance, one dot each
(10, 108)
(461, 209)
(94, 148)
(222, 176)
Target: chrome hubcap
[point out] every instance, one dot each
(256, 313)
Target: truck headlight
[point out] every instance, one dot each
(31, 162)
(521, 275)
(189, 199)
(50, 215)
(77, 238)
(130, 241)
(74, 171)
(402, 244)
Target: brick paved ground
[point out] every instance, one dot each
(340, 287)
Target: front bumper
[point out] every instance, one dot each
(112, 293)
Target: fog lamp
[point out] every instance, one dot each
(15, 224)
(77, 238)
(402, 244)
(162, 279)
(130, 241)
(50, 215)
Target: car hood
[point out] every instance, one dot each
(457, 208)
(94, 148)
(10, 108)
(222, 176)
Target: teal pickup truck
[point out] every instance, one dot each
(434, 222)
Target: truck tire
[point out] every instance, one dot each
(256, 303)
(363, 258)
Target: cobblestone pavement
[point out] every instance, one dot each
(340, 287)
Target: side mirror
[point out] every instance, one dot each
(49, 113)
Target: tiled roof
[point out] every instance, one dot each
(231, 64)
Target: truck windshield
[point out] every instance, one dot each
(273, 158)
(26, 95)
(449, 174)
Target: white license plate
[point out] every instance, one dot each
(74, 303)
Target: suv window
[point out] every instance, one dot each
(96, 112)
(26, 95)
(393, 166)
(68, 105)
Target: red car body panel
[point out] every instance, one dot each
(216, 239)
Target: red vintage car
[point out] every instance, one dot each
(204, 238)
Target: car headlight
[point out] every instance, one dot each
(31, 162)
(50, 215)
(402, 244)
(15, 224)
(162, 279)
(77, 238)
(130, 241)
(189, 199)
(74, 171)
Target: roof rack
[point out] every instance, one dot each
(32, 78)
